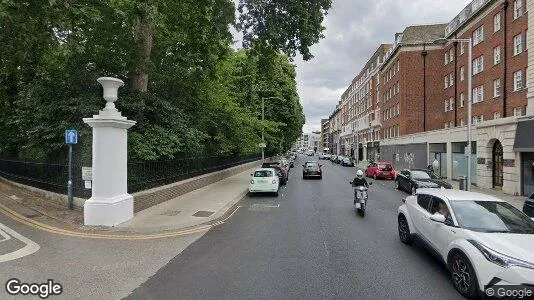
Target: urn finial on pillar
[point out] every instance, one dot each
(110, 204)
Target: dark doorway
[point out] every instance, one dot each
(497, 165)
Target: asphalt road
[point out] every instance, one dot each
(307, 243)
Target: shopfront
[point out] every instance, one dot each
(524, 143)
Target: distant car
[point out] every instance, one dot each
(485, 242)
(380, 170)
(333, 158)
(339, 159)
(321, 156)
(282, 171)
(528, 207)
(347, 162)
(326, 156)
(312, 169)
(411, 180)
(310, 153)
(264, 180)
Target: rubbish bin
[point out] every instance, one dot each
(463, 183)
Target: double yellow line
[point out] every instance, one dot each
(51, 229)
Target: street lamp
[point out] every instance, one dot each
(262, 125)
(469, 43)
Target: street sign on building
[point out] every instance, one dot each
(71, 136)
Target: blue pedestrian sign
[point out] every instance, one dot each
(71, 136)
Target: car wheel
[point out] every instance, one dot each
(414, 190)
(463, 276)
(397, 186)
(404, 231)
(321, 177)
(276, 194)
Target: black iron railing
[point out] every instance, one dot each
(142, 175)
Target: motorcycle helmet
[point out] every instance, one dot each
(359, 174)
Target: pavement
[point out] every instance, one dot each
(308, 243)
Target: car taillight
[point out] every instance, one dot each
(252, 181)
(274, 181)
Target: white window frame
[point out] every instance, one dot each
(451, 54)
(462, 48)
(478, 94)
(496, 115)
(451, 79)
(447, 81)
(478, 65)
(518, 80)
(446, 105)
(518, 111)
(518, 8)
(478, 35)
(462, 122)
(497, 55)
(497, 22)
(496, 88)
(518, 44)
(462, 73)
(447, 58)
(446, 125)
(451, 104)
(451, 124)
(462, 100)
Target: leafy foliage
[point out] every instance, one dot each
(202, 97)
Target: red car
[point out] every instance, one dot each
(380, 170)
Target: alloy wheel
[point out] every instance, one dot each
(461, 275)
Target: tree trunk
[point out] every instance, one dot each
(145, 28)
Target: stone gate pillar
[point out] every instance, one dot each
(110, 203)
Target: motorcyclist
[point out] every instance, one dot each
(358, 181)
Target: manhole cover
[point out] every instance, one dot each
(203, 214)
(171, 213)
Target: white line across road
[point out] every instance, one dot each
(4, 236)
(30, 247)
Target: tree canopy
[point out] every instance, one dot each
(189, 91)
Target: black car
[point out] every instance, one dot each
(411, 180)
(280, 170)
(528, 207)
(312, 169)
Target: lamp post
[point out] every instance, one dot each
(468, 150)
(262, 121)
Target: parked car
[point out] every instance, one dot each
(310, 153)
(333, 158)
(347, 162)
(312, 169)
(320, 156)
(411, 180)
(528, 207)
(282, 171)
(484, 241)
(380, 170)
(326, 156)
(264, 180)
(339, 159)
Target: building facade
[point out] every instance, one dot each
(423, 96)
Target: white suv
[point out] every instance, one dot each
(484, 241)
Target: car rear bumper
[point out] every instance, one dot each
(313, 175)
(263, 190)
(385, 176)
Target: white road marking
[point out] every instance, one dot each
(30, 248)
(5, 236)
(272, 206)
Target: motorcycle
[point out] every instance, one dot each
(360, 198)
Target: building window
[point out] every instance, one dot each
(497, 22)
(496, 88)
(446, 58)
(518, 44)
(451, 104)
(462, 48)
(496, 55)
(462, 122)
(462, 100)
(451, 54)
(446, 105)
(447, 81)
(478, 65)
(478, 119)
(462, 73)
(518, 80)
(478, 94)
(518, 112)
(518, 9)
(446, 125)
(478, 35)
(496, 115)
(451, 80)
(451, 124)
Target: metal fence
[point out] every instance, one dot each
(142, 175)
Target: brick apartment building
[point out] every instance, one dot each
(423, 96)
(325, 137)
(361, 110)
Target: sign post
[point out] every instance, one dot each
(71, 138)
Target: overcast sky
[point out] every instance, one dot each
(354, 29)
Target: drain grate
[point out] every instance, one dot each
(171, 213)
(203, 213)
